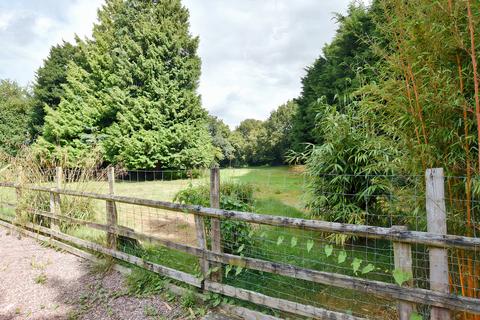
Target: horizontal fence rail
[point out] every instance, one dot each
(408, 296)
(372, 232)
(378, 288)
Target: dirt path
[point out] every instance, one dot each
(37, 282)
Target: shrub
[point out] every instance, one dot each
(347, 172)
(25, 169)
(233, 196)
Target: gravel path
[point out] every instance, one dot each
(37, 282)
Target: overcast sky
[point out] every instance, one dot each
(253, 52)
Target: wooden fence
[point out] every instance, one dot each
(438, 297)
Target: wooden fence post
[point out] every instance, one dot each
(403, 261)
(111, 209)
(55, 198)
(202, 244)
(18, 192)
(437, 223)
(216, 233)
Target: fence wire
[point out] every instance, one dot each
(371, 200)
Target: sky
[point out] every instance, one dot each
(254, 52)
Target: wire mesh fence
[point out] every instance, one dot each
(280, 191)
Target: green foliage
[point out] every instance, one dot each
(188, 299)
(136, 96)
(278, 130)
(415, 316)
(346, 64)
(347, 172)
(15, 113)
(368, 268)
(356, 264)
(342, 256)
(401, 277)
(50, 78)
(328, 250)
(247, 142)
(220, 134)
(310, 244)
(144, 282)
(425, 97)
(258, 142)
(233, 196)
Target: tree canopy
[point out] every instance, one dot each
(15, 114)
(345, 64)
(50, 78)
(136, 96)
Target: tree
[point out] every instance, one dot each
(220, 134)
(428, 98)
(136, 96)
(50, 78)
(246, 140)
(345, 65)
(276, 139)
(15, 112)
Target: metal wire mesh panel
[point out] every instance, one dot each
(382, 201)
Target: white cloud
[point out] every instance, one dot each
(29, 28)
(5, 19)
(43, 25)
(253, 52)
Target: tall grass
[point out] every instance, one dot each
(26, 169)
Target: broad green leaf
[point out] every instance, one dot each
(342, 256)
(415, 316)
(368, 268)
(356, 264)
(309, 245)
(401, 277)
(293, 242)
(328, 250)
(263, 234)
(280, 240)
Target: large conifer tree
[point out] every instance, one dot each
(136, 96)
(49, 81)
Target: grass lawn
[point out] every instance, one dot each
(279, 190)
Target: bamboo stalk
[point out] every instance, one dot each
(473, 56)
(417, 103)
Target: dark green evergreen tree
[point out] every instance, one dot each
(50, 78)
(344, 66)
(136, 96)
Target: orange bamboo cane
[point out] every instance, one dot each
(475, 75)
(417, 103)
